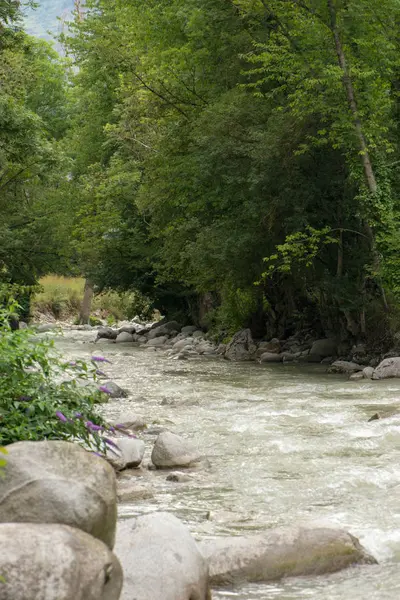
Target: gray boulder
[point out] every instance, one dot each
(241, 347)
(181, 344)
(269, 357)
(368, 372)
(388, 368)
(157, 342)
(160, 560)
(106, 333)
(124, 337)
(198, 333)
(59, 482)
(324, 348)
(165, 329)
(344, 366)
(46, 327)
(273, 346)
(171, 450)
(56, 562)
(130, 423)
(282, 553)
(189, 329)
(128, 455)
(114, 391)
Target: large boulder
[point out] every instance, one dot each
(106, 333)
(169, 328)
(241, 347)
(56, 562)
(282, 553)
(189, 329)
(160, 560)
(171, 450)
(324, 348)
(59, 482)
(388, 368)
(124, 337)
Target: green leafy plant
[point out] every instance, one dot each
(43, 397)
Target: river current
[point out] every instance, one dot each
(287, 445)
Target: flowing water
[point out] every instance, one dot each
(287, 445)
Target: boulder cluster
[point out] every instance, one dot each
(60, 537)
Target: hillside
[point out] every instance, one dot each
(44, 21)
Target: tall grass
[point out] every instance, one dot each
(61, 298)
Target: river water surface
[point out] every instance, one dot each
(287, 445)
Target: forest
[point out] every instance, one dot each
(235, 162)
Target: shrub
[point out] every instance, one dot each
(41, 396)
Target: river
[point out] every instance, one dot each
(286, 444)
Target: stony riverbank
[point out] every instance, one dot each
(182, 343)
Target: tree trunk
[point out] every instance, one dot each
(86, 306)
(369, 174)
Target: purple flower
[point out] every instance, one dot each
(110, 443)
(99, 359)
(104, 389)
(72, 363)
(93, 427)
(78, 415)
(120, 426)
(101, 373)
(98, 454)
(112, 429)
(62, 417)
(25, 398)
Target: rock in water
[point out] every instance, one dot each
(160, 560)
(114, 391)
(56, 562)
(282, 553)
(388, 368)
(124, 337)
(241, 347)
(59, 482)
(128, 455)
(171, 450)
(344, 366)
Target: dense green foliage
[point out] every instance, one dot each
(235, 161)
(41, 397)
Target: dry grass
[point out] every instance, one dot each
(61, 298)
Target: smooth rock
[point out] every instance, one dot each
(282, 553)
(124, 337)
(344, 366)
(128, 328)
(269, 357)
(130, 491)
(171, 450)
(59, 482)
(388, 368)
(56, 562)
(273, 346)
(357, 376)
(241, 347)
(115, 390)
(128, 455)
(166, 329)
(181, 344)
(189, 329)
(106, 333)
(324, 348)
(157, 342)
(368, 372)
(198, 333)
(130, 423)
(221, 349)
(160, 560)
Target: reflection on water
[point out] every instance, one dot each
(287, 445)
